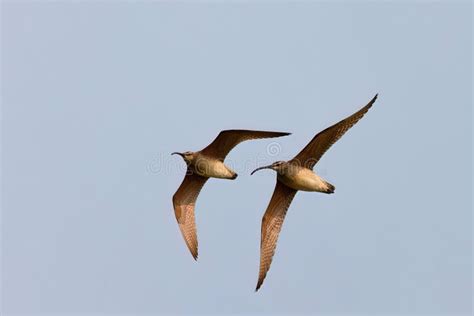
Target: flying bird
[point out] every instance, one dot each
(294, 175)
(202, 165)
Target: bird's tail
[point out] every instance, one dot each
(329, 188)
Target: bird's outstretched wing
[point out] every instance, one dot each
(316, 148)
(183, 202)
(226, 140)
(271, 226)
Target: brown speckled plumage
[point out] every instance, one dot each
(202, 165)
(295, 175)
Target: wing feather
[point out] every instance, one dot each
(271, 226)
(228, 139)
(316, 148)
(183, 201)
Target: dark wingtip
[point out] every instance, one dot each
(194, 253)
(371, 102)
(279, 134)
(234, 176)
(259, 284)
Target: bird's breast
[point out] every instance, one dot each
(213, 168)
(304, 180)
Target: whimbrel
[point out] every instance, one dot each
(202, 165)
(294, 175)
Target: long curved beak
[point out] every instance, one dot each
(264, 167)
(177, 153)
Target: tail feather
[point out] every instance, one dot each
(329, 188)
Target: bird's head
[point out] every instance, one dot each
(188, 156)
(277, 166)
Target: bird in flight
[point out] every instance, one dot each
(297, 174)
(202, 165)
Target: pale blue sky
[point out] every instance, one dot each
(96, 95)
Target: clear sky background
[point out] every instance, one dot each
(96, 95)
